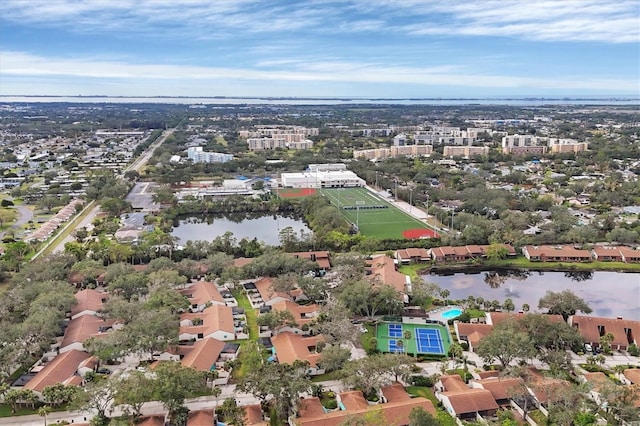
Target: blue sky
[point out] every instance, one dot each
(369, 48)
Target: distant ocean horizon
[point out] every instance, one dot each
(311, 100)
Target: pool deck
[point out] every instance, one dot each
(437, 313)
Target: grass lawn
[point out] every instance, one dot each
(538, 417)
(250, 313)
(334, 375)
(5, 411)
(444, 419)
(475, 313)
(385, 222)
(522, 262)
(413, 270)
(365, 338)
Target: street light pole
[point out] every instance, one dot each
(396, 190)
(410, 199)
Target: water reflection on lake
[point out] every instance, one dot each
(264, 228)
(610, 294)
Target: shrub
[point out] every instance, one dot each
(331, 404)
(634, 350)
(422, 381)
(465, 346)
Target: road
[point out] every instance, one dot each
(86, 222)
(24, 215)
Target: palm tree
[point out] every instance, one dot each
(43, 412)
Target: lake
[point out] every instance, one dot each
(610, 294)
(263, 227)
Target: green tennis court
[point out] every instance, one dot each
(414, 339)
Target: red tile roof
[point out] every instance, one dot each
(253, 415)
(201, 418)
(588, 327)
(303, 314)
(291, 347)
(61, 368)
(633, 375)
(88, 300)
(383, 268)
(203, 354)
(83, 327)
(471, 401)
(500, 388)
(202, 292)
(215, 318)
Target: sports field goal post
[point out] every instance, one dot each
(358, 204)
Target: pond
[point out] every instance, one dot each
(610, 294)
(265, 227)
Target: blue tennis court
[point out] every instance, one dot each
(429, 341)
(395, 330)
(393, 346)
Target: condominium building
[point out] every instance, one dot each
(465, 151)
(197, 155)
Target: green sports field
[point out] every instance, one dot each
(375, 216)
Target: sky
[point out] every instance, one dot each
(320, 48)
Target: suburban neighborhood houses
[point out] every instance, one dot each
(399, 265)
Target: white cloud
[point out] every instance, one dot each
(25, 65)
(609, 21)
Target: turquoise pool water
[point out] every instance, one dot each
(452, 313)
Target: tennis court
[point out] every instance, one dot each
(417, 339)
(373, 215)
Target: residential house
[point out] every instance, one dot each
(320, 257)
(471, 333)
(82, 328)
(62, 369)
(592, 329)
(395, 409)
(289, 347)
(382, 269)
(597, 381)
(463, 402)
(303, 314)
(201, 418)
(632, 375)
(412, 255)
(202, 355)
(556, 254)
(88, 302)
(254, 416)
(202, 294)
(495, 318)
(629, 255)
(502, 389)
(154, 420)
(268, 295)
(607, 254)
(215, 321)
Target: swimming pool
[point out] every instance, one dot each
(451, 313)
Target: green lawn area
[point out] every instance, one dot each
(250, 313)
(444, 419)
(413, 270)
(365, 338)
(5, 411)
(334, 375)
(538, 417)
(385, 222)
(522, 262)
